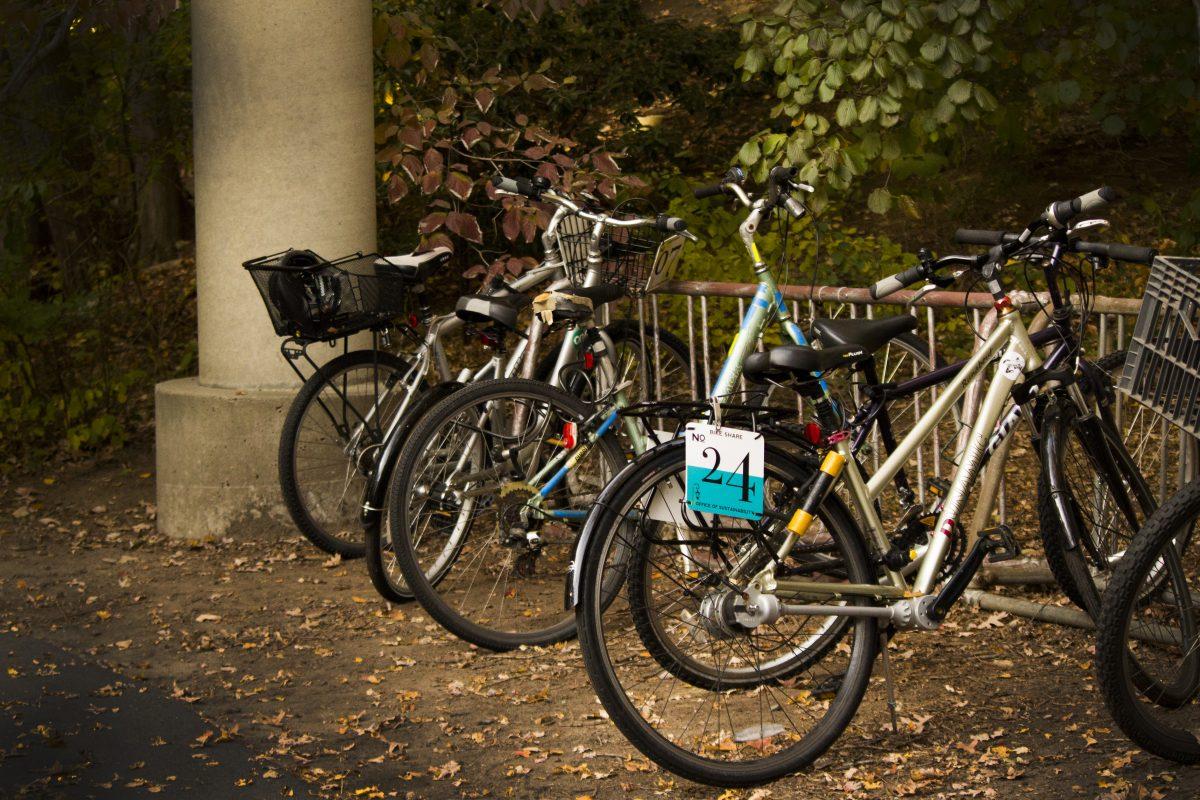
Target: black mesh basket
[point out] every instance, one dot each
(1162, 370)
(629, 257)
(311, 298)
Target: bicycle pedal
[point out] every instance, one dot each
(938, 487)
(1000, 543)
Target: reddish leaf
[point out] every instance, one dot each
(529, 226)
(607, 188)
(549, 172)
(465, 225)
(485, 128)
(397, 189)
(470, 136)
(413, 166)
(431, 222)
(484, 99)
(605, 163)
(427, 128)
(475, 271)
(535, 152)
(511, 225)
(522, 120)
(387, 154)
(564, 161)
(431, 182)
(449, 98)
(433, 160)
(459, 185)
(439, 239)
(412, 137)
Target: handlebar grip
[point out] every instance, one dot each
(1121, 252)
(1062, 212)
(516, 186)
(702, 192)
(986, 238)
(894, 283)
(670, 224)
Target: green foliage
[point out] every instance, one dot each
(870, 94)
(826, 251)
(862, 86)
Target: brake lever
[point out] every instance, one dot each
(924, 290)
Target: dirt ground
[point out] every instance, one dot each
(256, 666)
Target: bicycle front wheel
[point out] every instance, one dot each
(1089, 483)
(1165, 456)
(326, 448)
(1148, 643)
(691, 686)
(486, 503)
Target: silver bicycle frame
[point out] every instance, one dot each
(1019, 357)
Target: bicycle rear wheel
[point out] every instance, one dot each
(332, 428)
(702, 695)
(472, 502)
(1148, 643)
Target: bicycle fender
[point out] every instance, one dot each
(375, 493)
(600, 512)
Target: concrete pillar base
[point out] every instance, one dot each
(216, 456)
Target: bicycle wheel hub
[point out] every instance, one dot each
(727, 614)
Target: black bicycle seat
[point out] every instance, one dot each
(794, 362)
(491, 309)
(415, 267)
(869, 334)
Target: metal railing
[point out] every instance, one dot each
(699, 303)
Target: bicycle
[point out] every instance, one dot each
(494, 314)
(1148, 634)
(775, 613)
(496, 476)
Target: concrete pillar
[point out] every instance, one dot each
(284, 157)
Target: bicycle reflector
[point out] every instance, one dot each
(569, 435)
(813, 432)
(589, 360)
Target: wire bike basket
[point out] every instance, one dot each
(1162, 370)
(313, 299)
(636, 259)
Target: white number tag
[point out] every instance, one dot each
(724, 471)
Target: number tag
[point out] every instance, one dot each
(724, 471)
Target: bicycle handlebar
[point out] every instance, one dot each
(1120, 252)
(1060, 213)
(986, 238)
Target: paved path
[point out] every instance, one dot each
(72, 728)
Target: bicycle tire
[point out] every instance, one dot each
(1116, 669)
(591, 606)
(432, 596)
(1061, 426)
(1050, 528)
(313, 528)
(388, 582)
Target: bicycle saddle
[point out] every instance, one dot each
(869, 334)
(495, 309)
(573, 305)
(794, 362)
(415, 267)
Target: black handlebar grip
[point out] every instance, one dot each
(894, 283)
(515, 185)
(1062, 212)
(986, 238)
(1121, 252)
(670, 224)
(702, 192)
